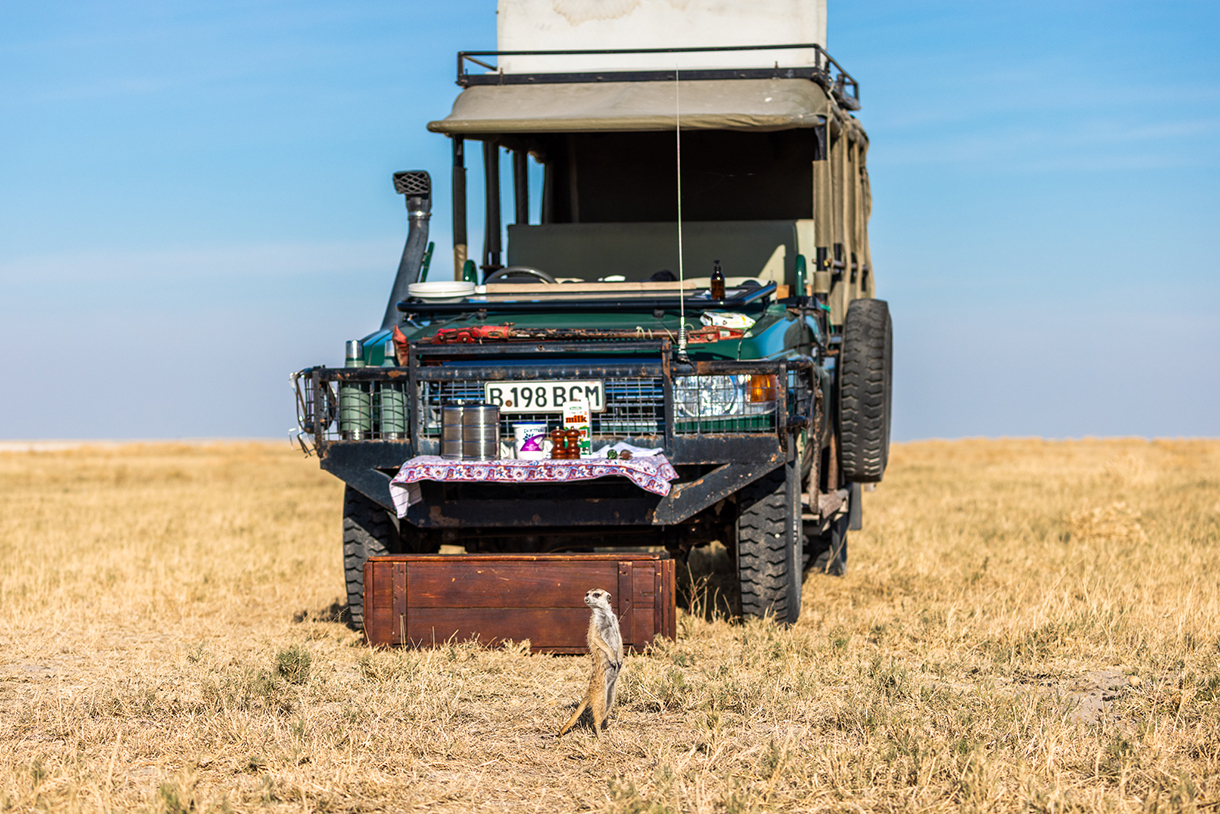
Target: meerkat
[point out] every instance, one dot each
(606, 650)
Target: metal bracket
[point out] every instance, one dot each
(687, 499)
(372, 483)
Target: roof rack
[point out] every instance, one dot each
(825, 71)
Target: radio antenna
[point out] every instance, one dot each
(681, 270)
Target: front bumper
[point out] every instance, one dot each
(714, 457)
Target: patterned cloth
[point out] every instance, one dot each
(650, 472)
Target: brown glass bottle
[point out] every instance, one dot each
(717, 281)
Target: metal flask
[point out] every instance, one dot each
(451, 430)
(392, 409)
(355, 406)
(481, 432)
(390, 402)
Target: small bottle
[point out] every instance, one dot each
(717, 281)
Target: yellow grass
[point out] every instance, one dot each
(167, 643)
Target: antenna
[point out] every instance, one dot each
(681, 274)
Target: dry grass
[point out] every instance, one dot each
(149, 657)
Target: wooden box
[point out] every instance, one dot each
(424, 600)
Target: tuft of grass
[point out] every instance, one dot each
(174, 799)
(292, 664)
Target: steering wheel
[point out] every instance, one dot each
(533, 272)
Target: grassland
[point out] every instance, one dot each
(1025, 625)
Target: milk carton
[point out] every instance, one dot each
(576, 416)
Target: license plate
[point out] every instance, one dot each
(543, 397)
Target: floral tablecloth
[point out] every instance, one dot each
(650, 472)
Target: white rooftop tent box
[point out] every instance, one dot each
(570, 25)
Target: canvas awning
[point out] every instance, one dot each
(591, 107)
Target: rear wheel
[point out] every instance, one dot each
(370, 530)
(865, 390)
(769, 548)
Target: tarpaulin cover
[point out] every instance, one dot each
(712, 104)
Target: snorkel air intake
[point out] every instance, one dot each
(417, 186)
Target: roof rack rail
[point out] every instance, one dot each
(825, 71)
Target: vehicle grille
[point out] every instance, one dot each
(377, 409)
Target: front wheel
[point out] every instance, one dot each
(370, 530)
(769, 548)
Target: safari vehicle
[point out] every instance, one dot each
(771, 427)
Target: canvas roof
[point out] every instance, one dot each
(712, 104)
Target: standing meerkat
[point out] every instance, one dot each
(606, 650)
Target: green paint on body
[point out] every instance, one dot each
(777, 333)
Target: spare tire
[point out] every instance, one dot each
(865, 375)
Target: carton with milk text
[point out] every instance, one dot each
(576, 416)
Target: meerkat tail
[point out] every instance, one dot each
(584, 702)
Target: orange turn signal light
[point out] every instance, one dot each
(762, 388)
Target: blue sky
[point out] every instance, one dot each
(197, 201)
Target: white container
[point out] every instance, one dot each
(576, 416)
(531, 25)
(530, 441)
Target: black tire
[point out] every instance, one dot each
(865, 391)
(369, 530)
(770, 550)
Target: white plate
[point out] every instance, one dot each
(441, 289)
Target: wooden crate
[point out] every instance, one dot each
(425, 600)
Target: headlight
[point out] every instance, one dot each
(724, 396)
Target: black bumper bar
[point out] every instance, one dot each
(711, 465)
